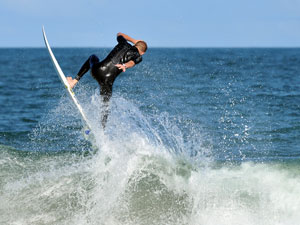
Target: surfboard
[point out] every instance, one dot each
(63, 79)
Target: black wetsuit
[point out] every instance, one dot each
(105, 72)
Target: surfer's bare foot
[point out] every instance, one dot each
(72, 82)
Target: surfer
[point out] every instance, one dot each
(122, 57)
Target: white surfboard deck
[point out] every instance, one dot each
(66, 84)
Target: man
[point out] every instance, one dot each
(122, 57)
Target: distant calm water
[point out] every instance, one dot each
(195, 136)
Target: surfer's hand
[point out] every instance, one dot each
(72, 82)
(121, 67)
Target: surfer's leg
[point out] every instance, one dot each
(106, 93)
(105, 73)
(92, 60)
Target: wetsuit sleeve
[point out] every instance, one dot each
(138, 59)
(85, 67)
(121, 39)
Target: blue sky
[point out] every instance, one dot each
(162, 23)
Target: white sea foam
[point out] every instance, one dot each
(142, 173)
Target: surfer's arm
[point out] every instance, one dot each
(128, 38)
(125, 66)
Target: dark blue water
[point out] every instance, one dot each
(220, 107)
(246, 101)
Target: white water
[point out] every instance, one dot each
(142, 174)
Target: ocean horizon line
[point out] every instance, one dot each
(161, 47)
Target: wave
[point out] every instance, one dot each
(145, 170)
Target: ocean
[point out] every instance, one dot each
(195, 136)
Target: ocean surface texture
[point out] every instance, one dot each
(194, 137)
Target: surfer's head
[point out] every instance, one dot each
(141, 46)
